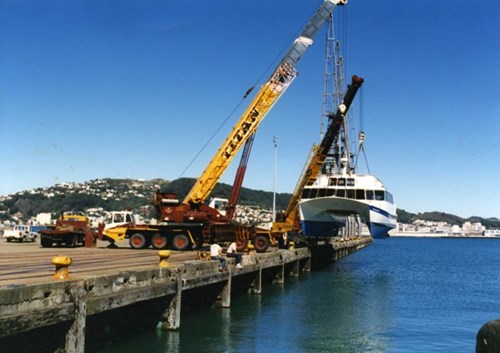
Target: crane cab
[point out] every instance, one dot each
(220, 204)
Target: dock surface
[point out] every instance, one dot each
(121, 291)
(29, 263)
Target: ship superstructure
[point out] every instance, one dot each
(340, 195)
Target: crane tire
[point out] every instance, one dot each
(180, 242)
(158, 241)
(261, 243)
(45, 242)
(138, 241)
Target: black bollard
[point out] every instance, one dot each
(488, 338)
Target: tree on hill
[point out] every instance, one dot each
(261, 198)
(405, 217)
(136, 195)
(441, 217)
(179, 186)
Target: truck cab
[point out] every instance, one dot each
(118, 218)
(116, 225)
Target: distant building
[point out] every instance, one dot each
(43, 218)
(473, 228)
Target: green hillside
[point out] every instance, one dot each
(120, 194)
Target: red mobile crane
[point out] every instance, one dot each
(191, 222)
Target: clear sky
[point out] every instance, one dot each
(135, 88)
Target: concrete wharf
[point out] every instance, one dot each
(116, 292)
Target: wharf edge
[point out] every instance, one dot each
(61, 316)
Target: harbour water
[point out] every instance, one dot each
(398, 295)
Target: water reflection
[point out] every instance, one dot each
(399, 296)
(170, 340)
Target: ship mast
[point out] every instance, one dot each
(340, 159)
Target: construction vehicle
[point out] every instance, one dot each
(289, 220)
(70, 230)
(190, 223)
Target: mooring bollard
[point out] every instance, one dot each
(251, 249)
(488, 338)
(291, 245)
(202, 255)
(164, 255)
(62, 263)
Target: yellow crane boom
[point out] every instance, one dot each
(264, 100)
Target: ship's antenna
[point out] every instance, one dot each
(361, 137)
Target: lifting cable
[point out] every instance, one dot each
(214, 133)
(247, 93)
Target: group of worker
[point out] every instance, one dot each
(216, 254)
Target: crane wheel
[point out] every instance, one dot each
(137, 241)
(72, 240)
(45, 242)
(180, 242)
(158, 241)
(261, 243)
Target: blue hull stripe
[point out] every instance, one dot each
(382, 212)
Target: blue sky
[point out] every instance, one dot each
(135, 88)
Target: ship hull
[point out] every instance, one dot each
(322, 228)
(323, 214)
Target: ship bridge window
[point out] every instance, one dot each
(369, 195)
(321, 192)
(360, 194)
(313, 193)
(350, 194)
(388, 197)
(333, 181)
(350, 182)
(309, 193)
(341, 182)
(379, 195)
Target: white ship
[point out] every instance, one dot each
(327, 203)
(340, 196)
